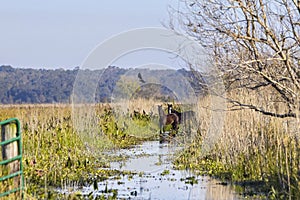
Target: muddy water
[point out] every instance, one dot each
(155, 178)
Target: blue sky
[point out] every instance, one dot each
(61, 33)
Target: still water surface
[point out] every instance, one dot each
(155, 177)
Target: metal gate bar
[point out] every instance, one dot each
(16, 138)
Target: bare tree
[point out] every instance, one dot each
(255, 43)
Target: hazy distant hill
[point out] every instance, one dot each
(55, 86)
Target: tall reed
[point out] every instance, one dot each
(252, 149)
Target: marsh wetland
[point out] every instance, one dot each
(123, 158)
(152, 176)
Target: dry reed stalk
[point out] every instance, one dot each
(262, 146)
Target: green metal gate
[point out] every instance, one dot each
(11, 135)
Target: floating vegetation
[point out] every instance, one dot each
(165, 172)
(151, 181)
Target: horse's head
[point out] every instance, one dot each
(170, 106)
(160, 110)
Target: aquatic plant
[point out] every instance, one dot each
(56, 156)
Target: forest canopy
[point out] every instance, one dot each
(20, 85)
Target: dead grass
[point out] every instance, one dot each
(251, 146)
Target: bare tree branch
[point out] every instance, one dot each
(252, 107)
(255, 44)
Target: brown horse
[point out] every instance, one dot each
(169, 119)
(183, 116)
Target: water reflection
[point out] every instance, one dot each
(155, 177)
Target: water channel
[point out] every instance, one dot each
(155, 178)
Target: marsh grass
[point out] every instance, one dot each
(53, 152)
(57, 155)
(62, 151)
(253, 149)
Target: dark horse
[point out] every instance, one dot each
(167, 119)
(183, 116)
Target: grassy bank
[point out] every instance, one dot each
(57, 155)
(260, 154)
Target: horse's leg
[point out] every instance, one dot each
(161, 136)
(162, 126)
(174, 127)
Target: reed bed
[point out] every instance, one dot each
(260, 154)
(62, 148)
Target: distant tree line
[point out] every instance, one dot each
(35, 85)
(20, 85)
